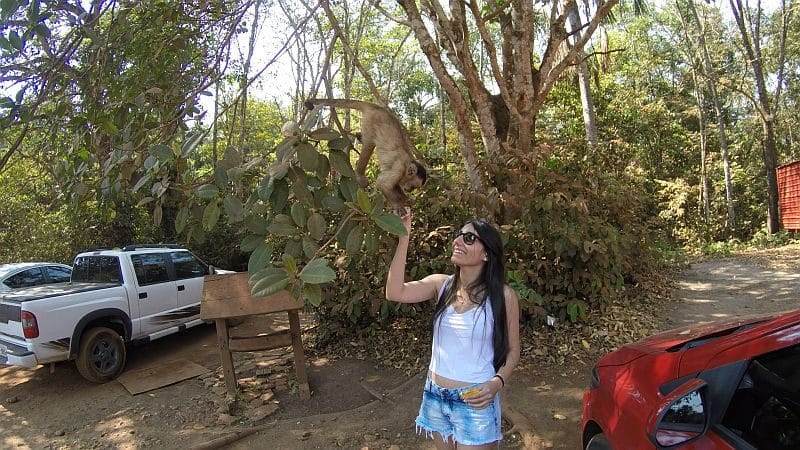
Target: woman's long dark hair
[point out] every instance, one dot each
(490, 284)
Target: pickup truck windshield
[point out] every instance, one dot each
(96, 269)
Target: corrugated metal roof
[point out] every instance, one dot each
(789, 195)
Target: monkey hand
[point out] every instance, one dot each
(362, 181)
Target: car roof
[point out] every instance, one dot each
(141, 248)
(6, 269)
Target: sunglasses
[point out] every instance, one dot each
(468, 236)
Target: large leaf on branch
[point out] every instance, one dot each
(181, 219)
(316, 226)
(233, 208)
(363, 201)
(334, 204)
(251, 242)
(261, 256)
(298, 212)
(391, 223)
(309, 247)
(274, 280)
(317, 271)
(340, 144)
(207, 191)
(190, 144)
(313, 294)
(285, 148)
(341, 163)
(349, 189)
(308, 156)
(354, 240)
(282, 225)
(256, 224)
(324, 134)
(211, 216)
(280, 195)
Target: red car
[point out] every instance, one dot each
(732, 384)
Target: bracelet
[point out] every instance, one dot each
(501, 380)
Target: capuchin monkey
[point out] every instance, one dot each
(400, 172)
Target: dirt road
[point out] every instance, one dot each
(41, 410)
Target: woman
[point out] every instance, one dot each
(475, 337)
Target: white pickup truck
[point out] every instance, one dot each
(129, 295)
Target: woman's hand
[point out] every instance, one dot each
(486, 393)
(406, 218)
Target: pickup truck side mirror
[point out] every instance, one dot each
(211, 269)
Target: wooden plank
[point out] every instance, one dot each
(228, 296)
(265, 342)
(225, 356)
(149, 378)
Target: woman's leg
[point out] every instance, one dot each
(490, 446)
(441, 444)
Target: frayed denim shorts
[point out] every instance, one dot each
(443, 411)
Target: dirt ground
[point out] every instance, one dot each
(355, 403)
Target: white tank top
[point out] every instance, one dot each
(462, 347)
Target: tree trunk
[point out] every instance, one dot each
(723, 136)
(587, 104)
(705, 191)
(753, 48)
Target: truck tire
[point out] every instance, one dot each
(101, 357)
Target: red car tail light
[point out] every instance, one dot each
(29, 326)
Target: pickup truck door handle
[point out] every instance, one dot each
(142, 295)
(181, 287)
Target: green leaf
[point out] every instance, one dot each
(233, 207)
(354, 240)
(279, 170)
(150, 162)
(334, 204)
(307, 155)
(260, 257)
(371, 242)
(190, 144)
(8, 7)
(290, 264)
(323, 166)
(309, 247)
(207, 191)
(313, 294)
(280, 195)
(256, 224)
(324, 134)
(142, 181)
(349, 189)
(363, 201)
(385, 310)
(340, 144)
(270, 284)
(317, 272)
(294, 248)
(299, 214)
(316, 226)
(41, 30)
(162, 152)
(211, 216)
(341, 163)
(157, 214)
(301, 192)
(145, 201)
(181, 219)
(15, 41)
(391, 223)
(284, 147)
(251, 242)
(282, 225)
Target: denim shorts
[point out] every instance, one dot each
(444, 412)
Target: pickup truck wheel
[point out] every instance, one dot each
(102, 355)
(598, 442)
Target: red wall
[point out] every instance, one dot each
(789, 195)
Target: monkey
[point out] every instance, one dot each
(400, 171)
